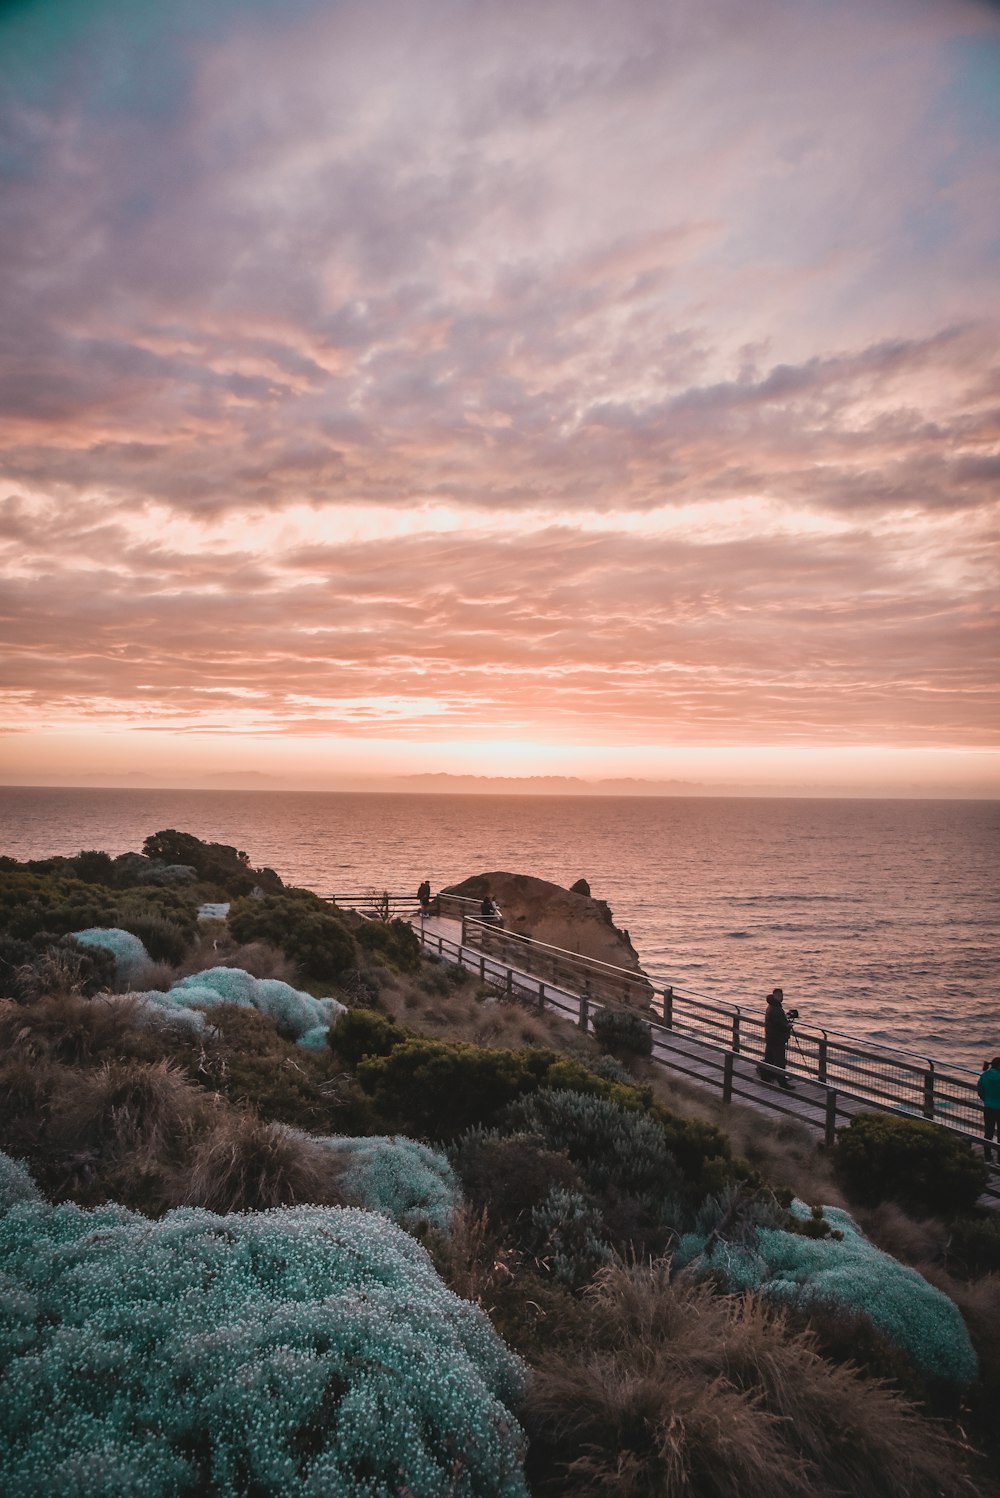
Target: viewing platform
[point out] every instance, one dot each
(716, 1047)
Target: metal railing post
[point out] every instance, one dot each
(668, 1008)
(727, 1077)
(929, 1090)
(830, 1122)
(736, 1030)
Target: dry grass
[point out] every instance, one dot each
(680, 1391)
(128, 1108)
(65, 1027)
(247, 1165)
(216, 948)
(893, 1230)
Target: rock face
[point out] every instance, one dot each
(561, 918)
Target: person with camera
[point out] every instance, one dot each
(778, 1025)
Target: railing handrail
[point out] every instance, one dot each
(873, 1048)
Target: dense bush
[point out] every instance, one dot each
(165, 940)
(974, 1244)
(214, 863)
(401, 1179)
(52, 964)
(32, 903)
(612, 1148)
(849, 1271)
(394, 940)
(436, 1089)
(131, 957)
(303, 1350)
(510, 1174)
(363, 1032)
(301, 926)
(623, 1032)
(294, 1013)
(884, 1157)
(571, 1235)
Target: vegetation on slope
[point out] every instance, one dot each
(575, 1178)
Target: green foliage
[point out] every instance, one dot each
(847, 1270)
(32, 903)
(164, 939)
(363, 1032)
(435, 1089)
(214, 863)
(510, 1174)
(571, 1235)
(395, 941)
(974, 1244)
(612, 1147)
(885, 1157)
(29, 969)
(300, 925)
(623, 1032)
(303, 1350)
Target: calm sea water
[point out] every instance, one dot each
(880, 918)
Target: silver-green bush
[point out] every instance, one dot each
(308, 1350)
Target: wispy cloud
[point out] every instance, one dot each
(494, 366)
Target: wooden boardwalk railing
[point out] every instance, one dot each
(715, 1045)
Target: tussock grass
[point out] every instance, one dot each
(246, 1165)
(125, 1107)
(65, 1027)
(681, 1391)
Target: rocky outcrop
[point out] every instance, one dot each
(566, 919)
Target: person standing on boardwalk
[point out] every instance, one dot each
(424, 896)
(988, 1088)
(777, 1029)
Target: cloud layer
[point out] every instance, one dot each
(624, 374)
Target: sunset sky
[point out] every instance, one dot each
(521, 387)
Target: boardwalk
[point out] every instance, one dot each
(704, 1063)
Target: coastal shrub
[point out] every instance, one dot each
(611, 1147)
(48, 964)
(300, 925)
(509, 1175)
(67, 1027)
(886, 1157)
(974, 1245)
(400, 1178)
(623, 1032)
(570, 1234)
(669, 1388)
(294, 1013)
(435, 1089)
(244, 1058)
(363, 1032)
(395, 940)
(849, 1271)
(33, 903)
(131, 957)
(214, 863)
(308, 1349)
(164, 939)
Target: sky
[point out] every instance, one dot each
(602, 388)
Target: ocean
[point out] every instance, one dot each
(878, 918)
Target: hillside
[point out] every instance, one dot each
(379, 1229)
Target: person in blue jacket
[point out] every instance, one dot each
(988, 1088)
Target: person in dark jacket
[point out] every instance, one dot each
(777, 1029)
(988, 1088)
(424, 896)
